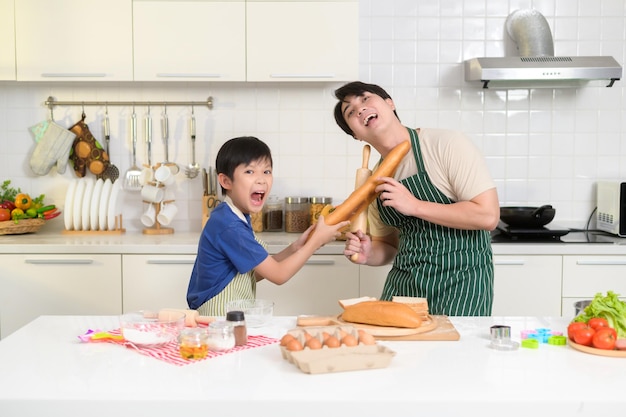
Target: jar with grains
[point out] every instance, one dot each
(317, 204)
(297, 216)
(257, 221)
(273, 215)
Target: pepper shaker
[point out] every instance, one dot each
(237, 319)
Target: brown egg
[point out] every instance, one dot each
(307, 336)
(313, 343)
(332, 342)
(325, 335)
(286, 339)
(294, 345)
(349, 340)
(342, 333)
(366, 338)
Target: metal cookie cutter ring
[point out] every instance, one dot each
(501, 338)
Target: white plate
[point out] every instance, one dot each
(69, 203)
(77, 210)
(91, 182)
(104, 204)
(113, 211)
(95, 204)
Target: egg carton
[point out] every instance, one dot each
(338, 359)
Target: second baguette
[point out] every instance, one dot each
(382, 313)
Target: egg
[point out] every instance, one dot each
(349, 340)
(294, 345)
(307, 336)
(286, 339)
(332, 342)
(313, 343)
(325, 335)
(366, 338)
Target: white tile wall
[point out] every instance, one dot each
(542, 145)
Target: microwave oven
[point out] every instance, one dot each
(611, 207)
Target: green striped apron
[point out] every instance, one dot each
(451, 268)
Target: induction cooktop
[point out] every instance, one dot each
(551, 234)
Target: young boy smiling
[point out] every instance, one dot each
(230, 258)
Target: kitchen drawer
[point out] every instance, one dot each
(584, 276)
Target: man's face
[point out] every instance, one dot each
(367, 113)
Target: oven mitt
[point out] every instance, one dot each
(86, 152)
(53, 143)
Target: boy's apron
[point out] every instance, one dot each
(451, 268)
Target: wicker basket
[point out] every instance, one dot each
(9, 227)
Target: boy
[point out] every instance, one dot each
(230, 259)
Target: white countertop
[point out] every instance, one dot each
(45, 370)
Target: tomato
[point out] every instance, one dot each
(604, 338)
(584, 336)
(5, 214)
(574, 327)
(596, 322)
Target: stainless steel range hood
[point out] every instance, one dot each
(536, 63)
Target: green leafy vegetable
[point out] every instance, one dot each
(8, 193)
(609, 307)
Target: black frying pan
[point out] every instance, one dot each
(527, 217)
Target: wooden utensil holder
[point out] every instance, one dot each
(209, 202)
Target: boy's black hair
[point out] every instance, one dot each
(240, 150)
(355, 88)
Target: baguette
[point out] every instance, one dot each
(382, 313)
(351, 301)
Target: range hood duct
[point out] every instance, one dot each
(530, 31)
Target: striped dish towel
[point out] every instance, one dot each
(169, 353)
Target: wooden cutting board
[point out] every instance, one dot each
(438, 328)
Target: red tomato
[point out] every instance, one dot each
(5, 214)
(574, 327)
(596, 322)
(584, 336)
(604, 339)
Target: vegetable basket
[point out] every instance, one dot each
(22, 226)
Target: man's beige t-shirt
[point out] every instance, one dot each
(453, 163)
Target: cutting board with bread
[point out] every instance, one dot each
(403, 318)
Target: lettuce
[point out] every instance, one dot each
(609, 307)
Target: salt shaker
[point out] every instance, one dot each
(237, 320)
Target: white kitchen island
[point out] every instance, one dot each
(46, 371)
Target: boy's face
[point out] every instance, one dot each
(367, 113)
(250, 185)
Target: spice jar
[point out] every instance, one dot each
(297, 216)
(273, 215)
(317, 204)
(237, 320)
(193, 343)
(221, 336)
(256, 219)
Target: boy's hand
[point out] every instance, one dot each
(326, 233)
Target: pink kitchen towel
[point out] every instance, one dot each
(170, 353)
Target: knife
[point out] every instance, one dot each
(205, 181)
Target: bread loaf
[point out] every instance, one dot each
(417, 304)
(382, 313)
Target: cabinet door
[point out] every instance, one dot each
(156, 281)
(74, 40)
(527, 286)
(34, 285)
(189, 40)
(7, 40)
(302, 40)
(584, 276)
(316, 289)
(372, 279)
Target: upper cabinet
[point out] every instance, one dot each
(302, 40)
(7, 40)
(189, 40)
(74, 40)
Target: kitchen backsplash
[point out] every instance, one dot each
(542, 145)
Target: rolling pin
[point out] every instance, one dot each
(362, 174)
(192, 317)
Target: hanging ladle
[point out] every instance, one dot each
(193, 168)
(165, 133)
(111, 172)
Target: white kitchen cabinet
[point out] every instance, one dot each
(7, 40)
(372, 279)
(527, 285)
(156, 281)
(302, 40)
(36, 284)
(74, 40)
(316, 289)
(189, 40)
(585, 276)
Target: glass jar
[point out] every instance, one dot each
(238, 321)
(193, 343)
(256, 219)
(221, 336)
(273, 215)
(297, 216)
(317, 204)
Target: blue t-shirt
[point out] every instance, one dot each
(227, 246)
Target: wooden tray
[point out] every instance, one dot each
(600, 352)
(436, 328)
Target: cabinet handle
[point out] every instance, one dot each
(70, 74)
(181, 75)
(601, 262)
(170, 262)
(302, 75)
(509, 262)
(59, 261)
(320, 262)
